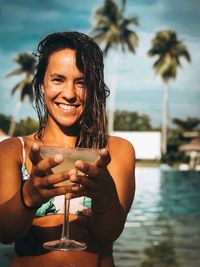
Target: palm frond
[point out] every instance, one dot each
(108, 45)
(18, 86)
(130, 21)
(109, 10)
(131, 38)
(100, 37)
(27, 90)
(182, 51)
(26, 62)
(14, 72)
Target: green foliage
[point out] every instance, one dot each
(131, 121)
(188, 125)
(5, 122)
(25, 127)
(175, 139)
(176, 157)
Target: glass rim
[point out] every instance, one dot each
(70, 148)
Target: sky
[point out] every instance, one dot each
(24, 23)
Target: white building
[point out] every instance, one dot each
(146, 144)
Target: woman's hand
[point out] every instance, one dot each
(96, 182)
(40, 187)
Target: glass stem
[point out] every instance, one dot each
(65, 228)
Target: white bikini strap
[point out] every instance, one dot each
(23, 149)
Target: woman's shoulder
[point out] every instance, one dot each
(10, 149)
(116, 141)
(13, 145)
(120, 145)
(12, 142)
(9, 143)
(122, 164)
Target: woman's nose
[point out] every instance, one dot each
(69, 92)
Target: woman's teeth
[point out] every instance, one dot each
(67, 107)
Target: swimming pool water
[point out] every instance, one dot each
(163, 226)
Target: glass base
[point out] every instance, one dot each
(64, 245)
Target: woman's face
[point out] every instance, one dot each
(64, 88)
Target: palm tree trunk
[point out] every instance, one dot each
(13, 120)
(165, 118)
(113, 87)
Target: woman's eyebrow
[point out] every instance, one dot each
(80, 78)
(53, 75)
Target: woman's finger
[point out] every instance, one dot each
(88, 169)
(34, 154)
(104, 159)
(45, 166)
(56, 180)
(56, 191)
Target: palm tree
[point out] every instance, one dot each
(169, 50)
(111, 30)
(27, 65)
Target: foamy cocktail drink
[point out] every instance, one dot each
(70, 155)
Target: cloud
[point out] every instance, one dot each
(27, 22)
(183, 15)
(180, 15)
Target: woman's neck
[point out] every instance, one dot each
(53, 135)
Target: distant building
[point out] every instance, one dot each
(147, 144)
(192, 149)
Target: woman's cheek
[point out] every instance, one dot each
(52, 91)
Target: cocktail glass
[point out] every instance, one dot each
(70, 155)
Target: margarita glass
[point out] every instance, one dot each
(70, 155)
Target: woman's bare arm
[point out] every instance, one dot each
(15, 220)
(15, 217)
(109, 216)
(111, 185)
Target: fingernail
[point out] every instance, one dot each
(58, 158)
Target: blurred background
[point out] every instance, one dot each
(152, 69)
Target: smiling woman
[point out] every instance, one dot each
(64, 88)
(70, 98)
(80, 69)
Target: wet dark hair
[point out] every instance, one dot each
(89, 60)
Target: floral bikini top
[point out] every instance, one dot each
(78, 206)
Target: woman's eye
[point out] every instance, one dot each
(57, 80)
(81, 84)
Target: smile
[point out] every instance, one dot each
(68, 107)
